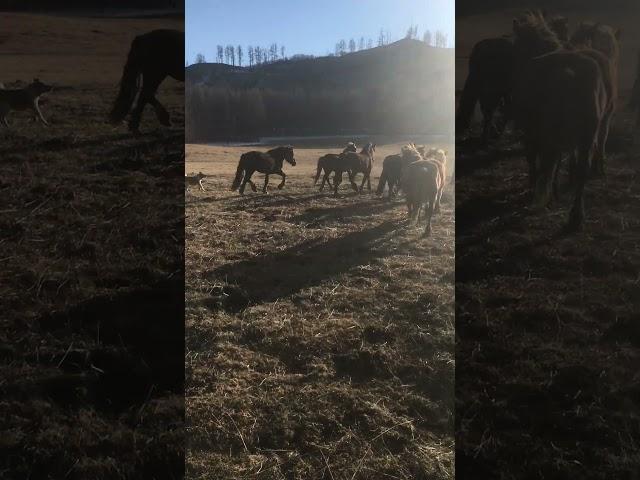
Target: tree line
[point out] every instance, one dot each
(257, 55)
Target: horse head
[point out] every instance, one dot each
(288, 155)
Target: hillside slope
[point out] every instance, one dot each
(404, 87)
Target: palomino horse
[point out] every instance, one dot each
(354, 163)
(559, 102)
(490, 79)
(153, 56)
(267, 163)
(330, 163)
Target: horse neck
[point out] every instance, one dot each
(278, 155)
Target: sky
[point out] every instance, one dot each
(307, 26)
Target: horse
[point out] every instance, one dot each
(153, 56)
(392, 167)
(559, 101)
(354, 163)
(330, 162)
(602, 43)
(490, 80)
(267, 163)
(438, 156)
(421, 182)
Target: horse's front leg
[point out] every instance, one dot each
(284, 177)
(364, 180)
(325, 179)
(266, 182)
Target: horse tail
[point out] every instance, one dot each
(468, 99)
(319, 171)
(239, 174)
(381, 182)
(129, 84)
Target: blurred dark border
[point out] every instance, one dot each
(466, 8)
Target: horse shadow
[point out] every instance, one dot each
(321, 215)
(260, 200)
(277, 275)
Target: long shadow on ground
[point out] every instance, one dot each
(280, 274)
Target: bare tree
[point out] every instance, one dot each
(273, 52)
(250, 55)
(426, 38)
(240, 52)
(381, 38)
(361, 44)
(412, 32)
(352, 45)
(200, 58)
(370, 43)
(282, 56)
(220, 57)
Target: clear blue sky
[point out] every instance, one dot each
(308, 26)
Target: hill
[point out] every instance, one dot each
(404, 87)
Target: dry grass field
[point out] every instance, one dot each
(547, 324)
(91, 360)
(319, 330)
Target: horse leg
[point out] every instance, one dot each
(150, 83)
(364, 179)
(429, 214)
(266, 182)
(544, 182)
(352, 176)
(325, 179)
(161, 113)
(247, 179)
(597, 164)
(369, 180)
(284, 177)
(576, 216)
(337, 180)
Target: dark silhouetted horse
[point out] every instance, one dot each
(330, 162)
(421, 182)
(392, 168)
(354, 163)
(490, 80)
(267, 163)
(153, 56)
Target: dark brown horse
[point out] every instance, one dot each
(421, 182)
(267, 163)
(330, 162)
(354, 163)
(152, 57)
(490, 80)
(392, 167)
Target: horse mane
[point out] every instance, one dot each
(279, 151)
(587, 32)
(532, 29)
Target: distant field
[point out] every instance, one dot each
(319, 330)
(91, 217)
